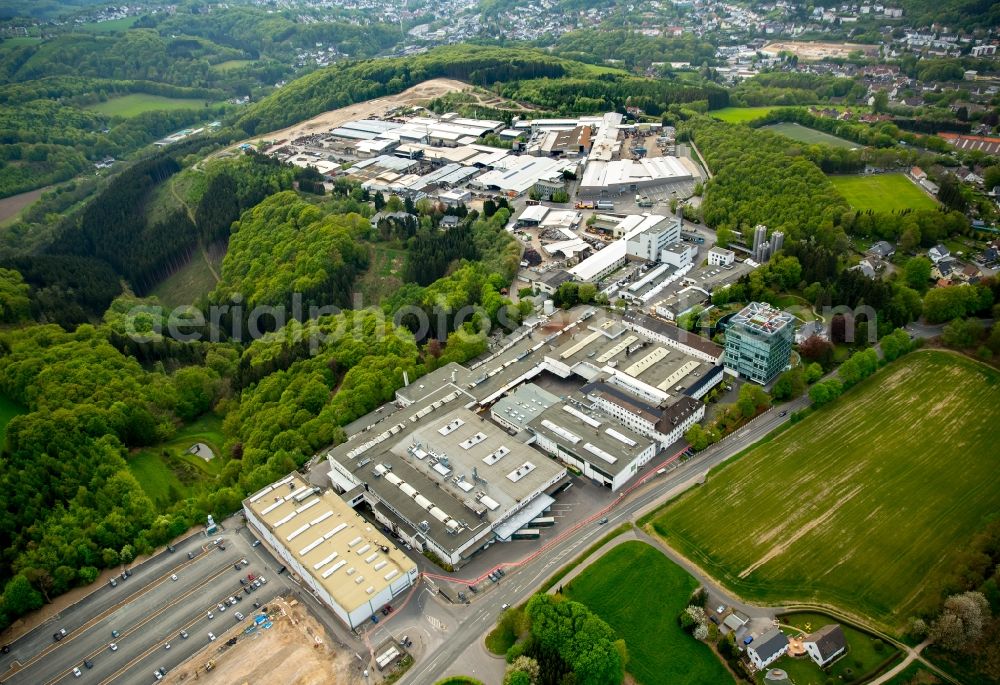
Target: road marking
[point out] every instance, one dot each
(97, 619)
(139, 625)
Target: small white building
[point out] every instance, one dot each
(720, 256)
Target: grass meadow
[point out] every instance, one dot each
(135, 104)
(639, 593)
(809, 136)
(742, 115)
(862, 503)
(882, 192)
(167, 473)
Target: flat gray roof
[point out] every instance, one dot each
(524, 404)
(446, 464)
(434, 381)
(591, 435)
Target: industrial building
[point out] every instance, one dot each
(469, 456)
(342, 558)
(720, 256)
(614, 256)
(617, 177)
(515, 411)
(650, 242)
(446, 480)
(672, 336)
(759, 342)
(595, 443)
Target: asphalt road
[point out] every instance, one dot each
(149, 610)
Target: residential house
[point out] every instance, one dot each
(767, 649)
(449, 221)
(882, 250)
(938, 252)
(867, 268)
(826, 644)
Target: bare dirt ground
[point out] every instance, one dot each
(294, 651)
(809, 50)
(420, 94)
(10, 207)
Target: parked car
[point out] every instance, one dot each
(113, 647)
(114, 582)
(220, 606)
(77, 672)
(58, 635)
(184, 635)
(88, 663)
(263, 580)
(239, 616)
(166, 646)
(602, 521)
(170, 548)
(211, 615)
(721, 609)
(211, 637)
(255, 543)
(157, 675)
(173, 576)
(504, 607)
(115, 633)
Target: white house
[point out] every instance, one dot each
(938, 252)
(766, 649)
(826, 644)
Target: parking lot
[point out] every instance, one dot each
(147, 611)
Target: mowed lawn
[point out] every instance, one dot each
(167, 472)
(882, 192)
(810, 136)
(135, 104)
(639, 592)
(862, 504)
(741, 115)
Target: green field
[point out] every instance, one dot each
(862, 503)
(624, 587)
(136, 103)
(384, 274)
(231, 64)
(742, 115)
(864, 654)
(167, 473)
(882, 192)
(123, 24)
(810, 136)
(8, 410)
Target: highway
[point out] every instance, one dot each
(148, 610)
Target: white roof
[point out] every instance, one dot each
(533, 213)
(624, 171)
(567, 247)
(601, 260)
(562, 218)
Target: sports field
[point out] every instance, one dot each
(741, 115)
(861, 504)
(882, 192)
(639, 593)
(134, 104)
(807, 135)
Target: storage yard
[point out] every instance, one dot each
(294, 650)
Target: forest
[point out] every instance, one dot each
(759, 178)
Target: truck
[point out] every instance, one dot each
(643, 201)
(585, 205)
(605, 204)
(526, 534)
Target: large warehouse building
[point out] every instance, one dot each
(445, 479)
(341, 557)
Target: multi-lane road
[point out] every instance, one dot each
(148, 610)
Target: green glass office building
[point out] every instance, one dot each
(759, 342)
